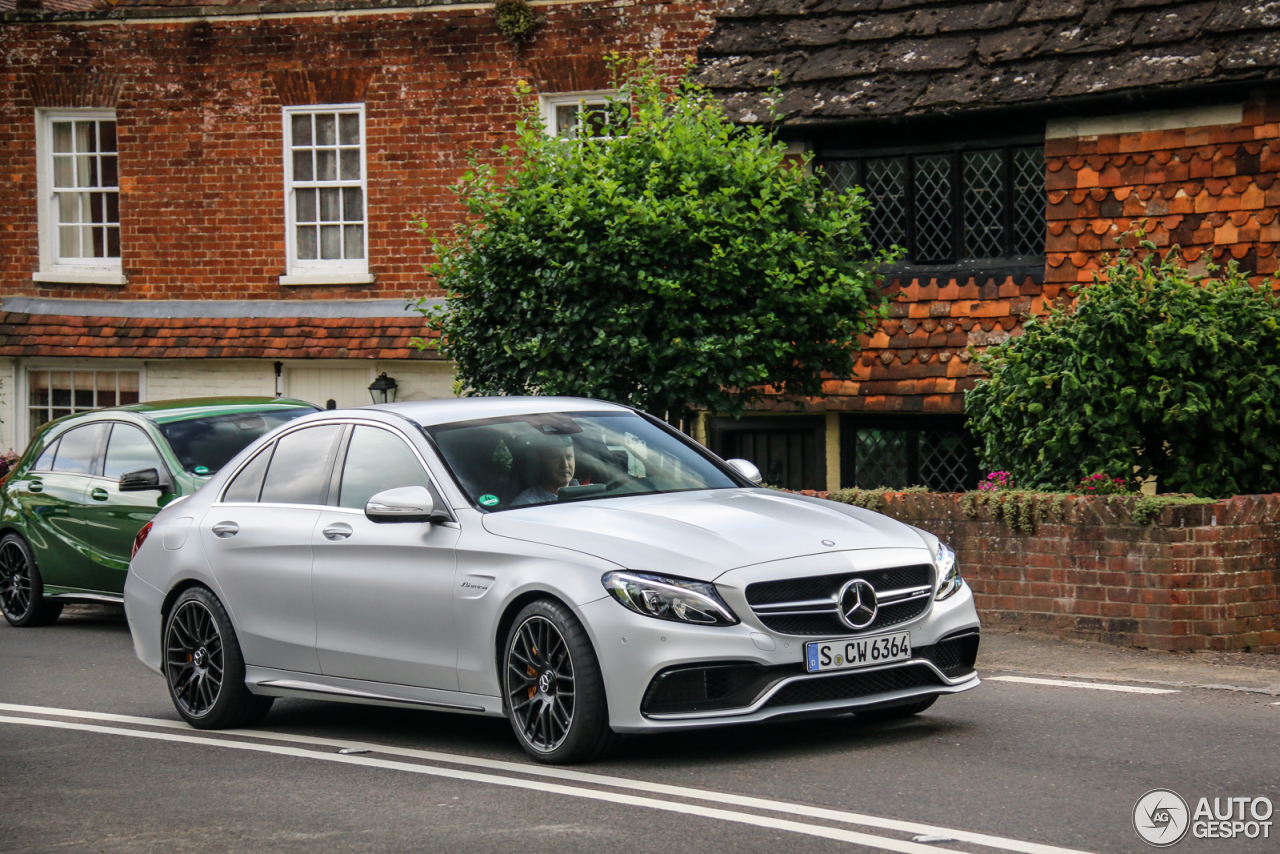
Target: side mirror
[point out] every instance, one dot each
(143, 480)
(747, 469)
(404, 504)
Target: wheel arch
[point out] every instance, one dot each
(172, 596)
(509, 617)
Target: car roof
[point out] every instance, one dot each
(168, 411)
(429, 413)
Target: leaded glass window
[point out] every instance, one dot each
(964, 204)
(900, 452)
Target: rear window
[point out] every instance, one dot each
(204, 445)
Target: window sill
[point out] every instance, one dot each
(303, 279)
(96, 277)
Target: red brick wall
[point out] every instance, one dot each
(199, 112)
(1198, 577)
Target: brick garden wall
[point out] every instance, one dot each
(1198, 577)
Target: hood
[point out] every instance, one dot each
(702, 534)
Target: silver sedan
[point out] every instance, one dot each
(575, 566)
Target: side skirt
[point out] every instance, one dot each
(311, 686)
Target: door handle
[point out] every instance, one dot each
(225, 529)
(35, 486)
(337, 531)
(98, 494)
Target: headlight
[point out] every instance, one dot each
(669, 598)
(948, 571)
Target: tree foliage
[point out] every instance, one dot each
(675, 260)
(1154, 372)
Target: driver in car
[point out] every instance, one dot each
(555, 466)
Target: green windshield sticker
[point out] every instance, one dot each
(201, 470)
(488, 500)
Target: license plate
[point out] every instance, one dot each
(844, 653)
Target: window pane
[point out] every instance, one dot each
(306, 205)
(82, 389)
(326, 132)
(983, 204)
(62, 172)
(45, 461)
(326, 165)
(886, 185)
(113, 207)
(306, 242)
(97, 207)
(68, 242)
(248, 482)
(68, 208)
(302, 170)
(945, 461)
(377, 460)
(881, 459)
(841, 175)
(301, 128)
(349, 129)
(204, 444)
(296, 473)
(567, 120)
(113, 251)
(933, 221)
(353, 204)
(107, 136)
(38, 383)
(330, 241)
(77, 448)
(128, 385)
(85, 137)
(129, 449)
(1028, 201)
(350, 163)
(86, 171)
(62, 137)
(98, 240)
(109, 176)
(353, 241)
(329, 205)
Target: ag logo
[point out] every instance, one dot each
(1161, 817)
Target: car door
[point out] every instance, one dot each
(55, 501)
(115, 517)
(383, 592)
(257, 538)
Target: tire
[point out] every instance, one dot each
(203, 666)
(894, 713)
(552, 687)
(21, 587)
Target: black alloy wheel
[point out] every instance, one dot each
(552, 686)
(204, 667)
(21, 587)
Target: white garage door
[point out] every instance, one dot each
(346, 386)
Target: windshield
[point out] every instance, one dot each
(526, 460)
(204, 445)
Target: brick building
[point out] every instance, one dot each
(1004, 144)
(216, 197)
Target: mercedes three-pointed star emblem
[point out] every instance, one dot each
(857, 604)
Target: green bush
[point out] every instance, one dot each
(1155, 372)
(677, 260)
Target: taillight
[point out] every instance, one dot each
(140, 539)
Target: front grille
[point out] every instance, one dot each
(827, 586)
(954, 656)
(848, 686)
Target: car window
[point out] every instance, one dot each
(78, 449)
(45, 462)
(298, 469)
(377, 460)
(204, 445)
(129, 449)
(248, 483)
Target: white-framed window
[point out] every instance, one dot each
(326, 223)
(55, 391)
(78, 181)
(576, 114)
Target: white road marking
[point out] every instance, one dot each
(878, 842)
(722, 798)
(1062, 683)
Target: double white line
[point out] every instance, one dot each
(590, 786)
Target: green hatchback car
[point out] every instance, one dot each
(72, 505)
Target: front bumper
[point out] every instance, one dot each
(634, 649)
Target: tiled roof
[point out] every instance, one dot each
(212, 337)
(848, 59)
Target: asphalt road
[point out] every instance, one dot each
(93, 758)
